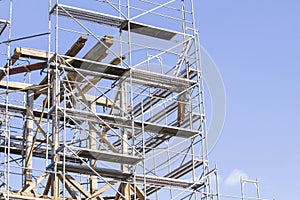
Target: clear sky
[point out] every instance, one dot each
(255, 44)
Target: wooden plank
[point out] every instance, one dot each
(14, 85)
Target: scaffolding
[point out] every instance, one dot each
(112, 109)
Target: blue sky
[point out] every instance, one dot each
(255, 45)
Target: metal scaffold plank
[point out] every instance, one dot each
(110, 20)
(178, 172)
(106, 156)
(119, 175)
(18, 149)
(137, 76)
(82, 169)
(148, 30)
(123, 122)
(150, 101)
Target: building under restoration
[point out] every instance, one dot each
(111, 108)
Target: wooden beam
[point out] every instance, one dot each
(100, 101)
(94, 128)
(27, 68)
(97, 53)
(31, 53)
(31, 186)
(28, 138)
(31, 148)
(48, 185)
(73, 51)
(100, 49)
(22, 69)
(127, 191)
(103, 189)
(181, 107)
(124, 189)
(94, 81)
(14, 85)
(68, 186)
(77, 46)
(17, 54)
(118, 196)
(38, 125)
(78, 186)
(138, 191)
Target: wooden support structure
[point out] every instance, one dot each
(30, 186)
(29, 138)
(93, 145)
(123, 191)
(48, 185)
(16, 86)
(78, 186)
(138, 191)
(103, 189)
(97, 53)
(55, 84)
(73, 51)
(30, 53)
(181, 108)
(94, 81)
(31, 114)
(166, 85)
(68, 187)
(23, 69)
